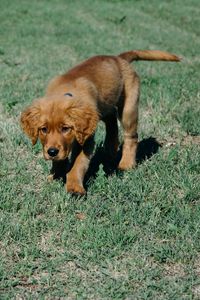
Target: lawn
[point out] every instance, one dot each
(136, 235)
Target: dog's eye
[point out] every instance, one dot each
(44, 130)
(65, 129)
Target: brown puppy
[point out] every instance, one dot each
(101, 88)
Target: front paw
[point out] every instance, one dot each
(75, 188)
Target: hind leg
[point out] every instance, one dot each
(129, 120)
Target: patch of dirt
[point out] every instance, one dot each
(197, 266)
(174, 270)
(196, 291)
(183, 141)
(191, 139)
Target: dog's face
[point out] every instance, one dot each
(58, 122)
(56, 133)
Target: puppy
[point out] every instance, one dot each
(101, 88)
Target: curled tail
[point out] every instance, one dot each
(148, 55)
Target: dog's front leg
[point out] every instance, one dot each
(76, 175)
(111, 143)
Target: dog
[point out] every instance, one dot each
(103, 88)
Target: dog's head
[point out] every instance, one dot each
(58, 122)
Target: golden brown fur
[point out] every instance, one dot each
(101, 88)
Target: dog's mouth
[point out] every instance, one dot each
(56, 158)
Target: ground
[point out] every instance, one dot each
(136, 234)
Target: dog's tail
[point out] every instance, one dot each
(148, 55)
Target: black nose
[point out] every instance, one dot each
(52, 151)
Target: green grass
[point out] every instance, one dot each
(139, 237)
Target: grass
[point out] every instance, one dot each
(135, 235)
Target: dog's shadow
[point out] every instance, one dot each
(146, 149)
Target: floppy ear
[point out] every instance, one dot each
(29, 122)
(84, 119)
